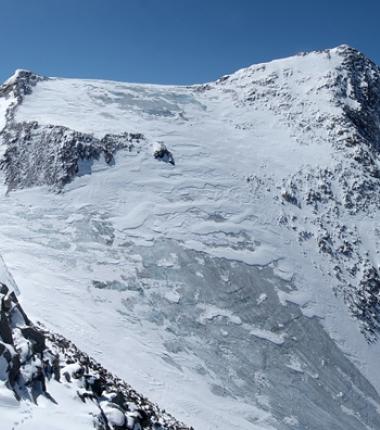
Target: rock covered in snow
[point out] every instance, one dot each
(350, 188)
(31, 356)
(160, 152)
(53, 155)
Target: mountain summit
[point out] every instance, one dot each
(215, 245)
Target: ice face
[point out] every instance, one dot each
(117, 106)
(203, 336)
(265, 354)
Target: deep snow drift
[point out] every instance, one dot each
(237, 285)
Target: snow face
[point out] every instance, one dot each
(189, 280)
(117, 107)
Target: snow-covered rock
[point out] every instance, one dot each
(54, 155)
(32, 359)
(161, 152)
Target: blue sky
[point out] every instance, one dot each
(174, 41)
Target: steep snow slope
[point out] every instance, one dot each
(223, 286)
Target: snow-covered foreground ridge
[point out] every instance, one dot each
(32, 360)
(215, 245)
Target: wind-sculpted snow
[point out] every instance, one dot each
(234, 286)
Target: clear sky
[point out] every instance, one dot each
(174, 41)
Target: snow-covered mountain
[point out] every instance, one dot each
(216, 246)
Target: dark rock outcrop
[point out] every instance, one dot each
(53, 155)
(161, 153)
